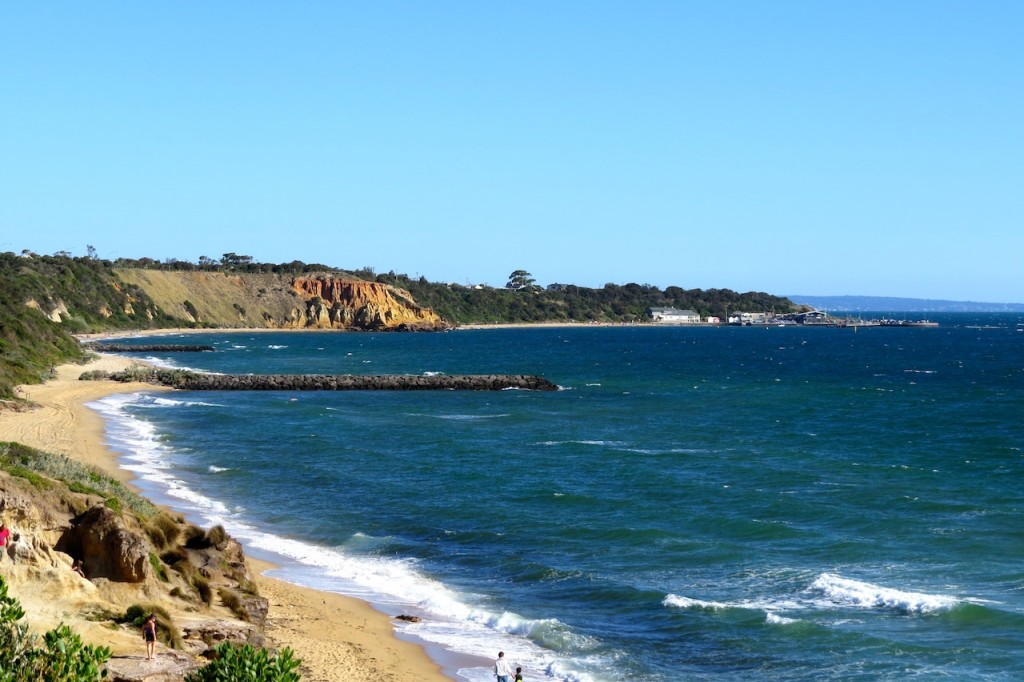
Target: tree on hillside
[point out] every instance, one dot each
(231, 260)
(520, 279)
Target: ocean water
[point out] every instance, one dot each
(702, 504)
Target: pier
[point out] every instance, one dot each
(199, 381)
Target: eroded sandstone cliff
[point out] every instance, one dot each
(313, 301)
(335, 303)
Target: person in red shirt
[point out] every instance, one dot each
(4, 534)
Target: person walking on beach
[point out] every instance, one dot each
(149, 634)
(502, 669)
(519, 675)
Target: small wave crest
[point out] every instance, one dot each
(775, 619)
(848, 592)
(170, 402)
(688, 603)
(459, 417)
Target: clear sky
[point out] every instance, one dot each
(819, 147)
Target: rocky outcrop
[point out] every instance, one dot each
(167, 666)
(338, 303)
(159, 561)
(102, 540)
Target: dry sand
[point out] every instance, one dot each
(336, 637)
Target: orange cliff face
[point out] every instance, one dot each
(335, 303)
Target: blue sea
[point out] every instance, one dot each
(741, 503)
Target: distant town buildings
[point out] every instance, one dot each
(673, 316)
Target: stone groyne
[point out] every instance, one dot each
(197, 381)
(146, 348)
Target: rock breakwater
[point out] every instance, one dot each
(197, 381)
(146, 348)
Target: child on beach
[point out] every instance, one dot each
(519, 675)
(149, 634)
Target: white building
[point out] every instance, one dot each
(673, 316)
(748, 318)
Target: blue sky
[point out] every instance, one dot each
(871, 148)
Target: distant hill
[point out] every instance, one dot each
(46, 299)
(903, 305)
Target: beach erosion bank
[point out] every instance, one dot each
(335, 636)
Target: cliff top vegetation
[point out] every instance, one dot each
(45, 300)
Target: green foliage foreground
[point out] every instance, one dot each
(245, 663)
(62, 658)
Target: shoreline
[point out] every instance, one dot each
(328, 631)
(175, 331)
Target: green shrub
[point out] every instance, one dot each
(248, 663)
(203, 588)
(231, 600)
(170, 526)
(172, 556)
(217, 536)
(32, 464)
(248, 586)
(158, 567)
(134, 614)
(195, 538)
(166, 631)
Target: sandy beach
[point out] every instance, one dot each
(336, 637)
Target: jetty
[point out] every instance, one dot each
(201, 381)
(146, 348)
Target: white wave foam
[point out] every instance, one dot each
(847, 592)
(161, 362)
(688, 603)
(164, 363)
(767, 605)
(276, 346)
(458, 417)
(170, 402)
(602, 443)
(396, 583)
(775, 619)
(216, 470)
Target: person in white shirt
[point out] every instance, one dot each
(501, 668)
